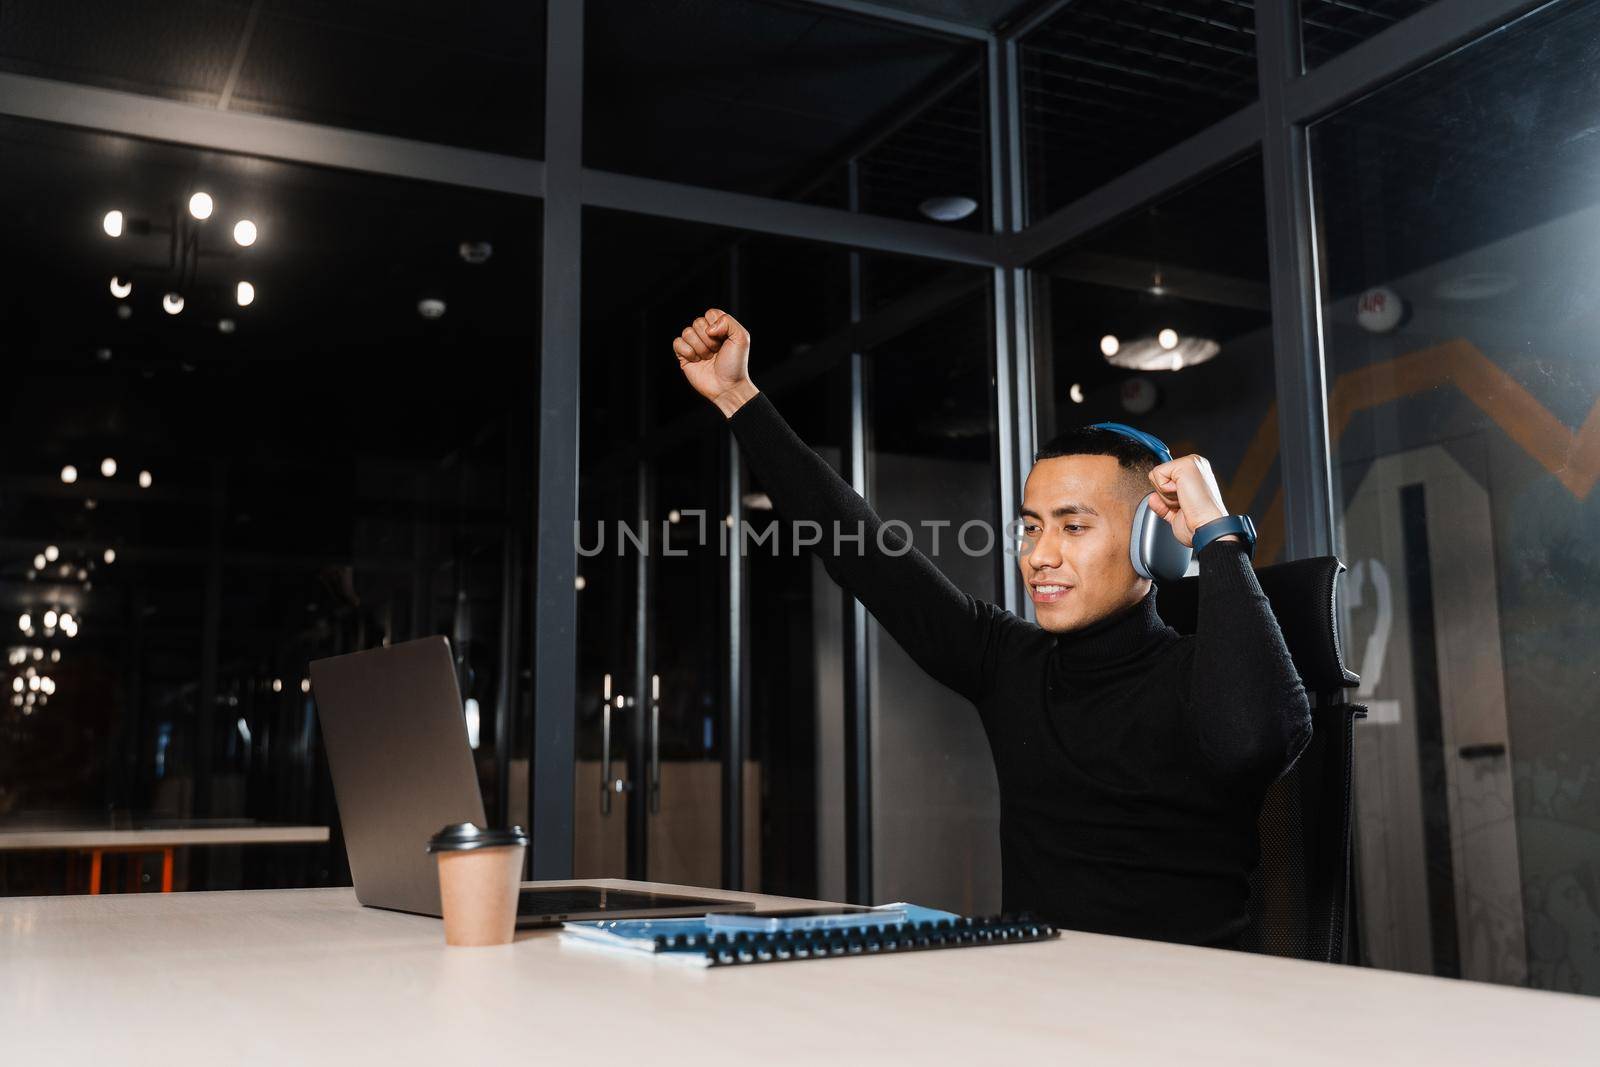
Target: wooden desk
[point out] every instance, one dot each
(308, 977)
(163, 840)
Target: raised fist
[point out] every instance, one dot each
(714, 354)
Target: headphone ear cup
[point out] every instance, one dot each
(1154, 550)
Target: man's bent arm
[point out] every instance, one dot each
(951, 635)
(1246, 704)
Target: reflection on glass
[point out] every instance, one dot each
(1107, 84)
(1161, 321)
(786, 96)
(333, 475)
(1460, 233)
(1330, 27)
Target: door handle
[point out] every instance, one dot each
(655, 744)
(1492, 748)
(608, 784)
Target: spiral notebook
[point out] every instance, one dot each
(690, 941)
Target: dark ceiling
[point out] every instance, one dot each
(1109, 83)
(466, 73)
(778, 97)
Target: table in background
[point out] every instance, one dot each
(307, 976)
(98, 842)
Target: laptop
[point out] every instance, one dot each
(396, 739)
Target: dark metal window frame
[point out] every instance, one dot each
(1289, 102)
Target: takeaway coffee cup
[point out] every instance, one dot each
(479, 874)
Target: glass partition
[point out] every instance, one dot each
(1458, 224)
(256, 414)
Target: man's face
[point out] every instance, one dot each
(1077, 516)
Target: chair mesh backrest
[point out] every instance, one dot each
(1300, 888)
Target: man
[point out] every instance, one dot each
(1132, 761)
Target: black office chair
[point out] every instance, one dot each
(1300, 892)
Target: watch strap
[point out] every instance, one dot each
(1228, 524)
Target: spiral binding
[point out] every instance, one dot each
(724, 950)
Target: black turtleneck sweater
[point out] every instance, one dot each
(1132, 760)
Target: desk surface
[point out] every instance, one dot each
(307, 977)
(168, 837)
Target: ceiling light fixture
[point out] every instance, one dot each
(430, 307)
(112, 224)
(1076, 393)
(69, 474)
(1109, 344)
(108, 467)
(38, 562)
(1152, 354)
(200, 206)
(225, 325)
(245, 294)
(50, 620)
(172, 303)
(948, 208)
(52, 553)
(110, 555)
(119, 288)
(475, 252)
(244, 233)
(1167, 339)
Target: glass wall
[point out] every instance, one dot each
(1459, 222)
(1161, 320)
(288, 420)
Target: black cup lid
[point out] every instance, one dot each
(461, 836)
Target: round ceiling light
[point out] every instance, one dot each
(430, 307)
(200, 206)
(112, 224)
(120, 288)
(172, 303)
(244, 233)
(948, 208)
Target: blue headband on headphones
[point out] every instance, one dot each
(1150, 441)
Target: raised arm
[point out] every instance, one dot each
(951, 635)
(1247, 708)
(1246, 703)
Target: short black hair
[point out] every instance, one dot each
(1092, 441)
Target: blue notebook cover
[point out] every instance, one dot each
(688, 935)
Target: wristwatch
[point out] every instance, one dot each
(1228, 524)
